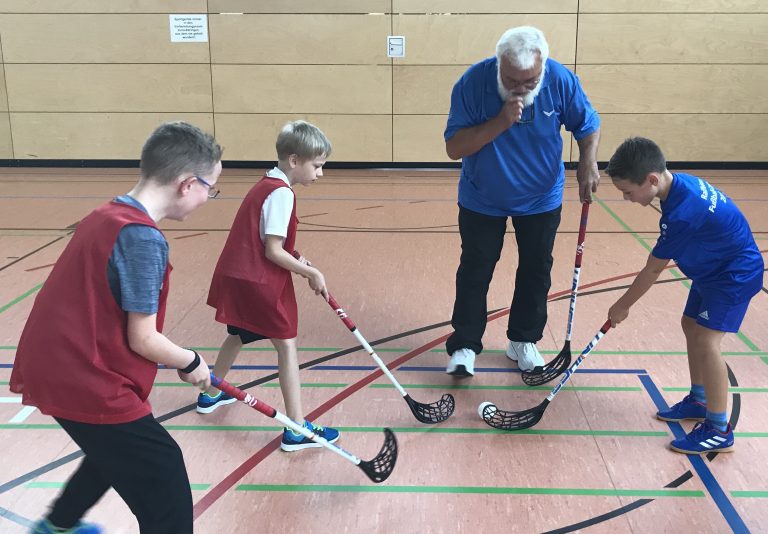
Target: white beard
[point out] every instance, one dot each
(528, 98)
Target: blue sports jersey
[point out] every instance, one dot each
(710, 239)
(520, 172)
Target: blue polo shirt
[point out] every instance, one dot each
(710, 240)
(521, 172)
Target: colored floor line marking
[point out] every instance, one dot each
(213, 495)
(10, 400)
(20, 417)
(487, 352)
(406, 369)
(750, 494)
(674, 270)
(191, 235)
(38, 268)
(21, 297)
(765, 360)
(59, 485)
(16, 518)
(722, 502)
(492, 490)
(438, 430)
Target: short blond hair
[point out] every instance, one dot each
(305, 140)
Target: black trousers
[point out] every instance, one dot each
(142, 462)
(482, 238)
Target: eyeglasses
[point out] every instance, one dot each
(529, 112)
(212, 191)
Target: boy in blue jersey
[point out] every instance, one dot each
(704, 232)
(504, 123)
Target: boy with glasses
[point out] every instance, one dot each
(89, 351)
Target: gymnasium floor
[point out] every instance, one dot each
(388, 244)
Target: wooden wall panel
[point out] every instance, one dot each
(3, 92)
(690, 137)
(353, 137)
(424, 89)
(343, 89)
(673, 6)
(95, 39)
(87, 87)
(419, 138)
(300, 39)
(676, 88)
(673, 38)
(298, 6)
(466, 39)
(6, 146)
(100, 6)
(91, 135)
(484, 6)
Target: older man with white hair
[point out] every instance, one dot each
(504, 123)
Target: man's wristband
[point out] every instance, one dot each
(192, 366)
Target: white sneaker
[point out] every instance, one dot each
(525, 354)
(462, 363)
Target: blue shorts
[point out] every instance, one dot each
(714, 315)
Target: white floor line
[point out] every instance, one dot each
(25, 412)
(10, 400)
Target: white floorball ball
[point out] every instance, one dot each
(482, 406)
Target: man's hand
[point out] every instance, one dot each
(511, 111)
(589, 178)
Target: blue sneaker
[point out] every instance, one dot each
(206, 403)
(704, 438)
(45, 527)
(295, 442)
(687, 408)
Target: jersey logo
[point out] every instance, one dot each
(704, 315)
(548, 113)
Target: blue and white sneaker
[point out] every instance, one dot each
(206, 403)
(45, 527)
(704, 438)
(293, 441)
(687, 408)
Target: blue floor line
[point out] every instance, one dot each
(710, 482)
(16, 518)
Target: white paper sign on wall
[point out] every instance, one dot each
(189, 28)
(396, 46)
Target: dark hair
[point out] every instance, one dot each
(178, 147)
(634, 159)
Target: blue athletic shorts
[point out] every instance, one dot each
(714, 315)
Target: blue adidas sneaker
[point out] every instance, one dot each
(45, 527)
(206, 403)
(295, 442)
(687, 408)
(704, 438)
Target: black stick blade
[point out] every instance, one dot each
(558, 365)
(379, 468)
(436, 412)
(513, 420)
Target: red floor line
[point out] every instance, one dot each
(222, 487)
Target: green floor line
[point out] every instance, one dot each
(674, 272)
(752, 494)
(493, 352)
(765, 360)
(21, 297)
(730, 389)
(372, 429)
(471, 489)
(403, 430)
